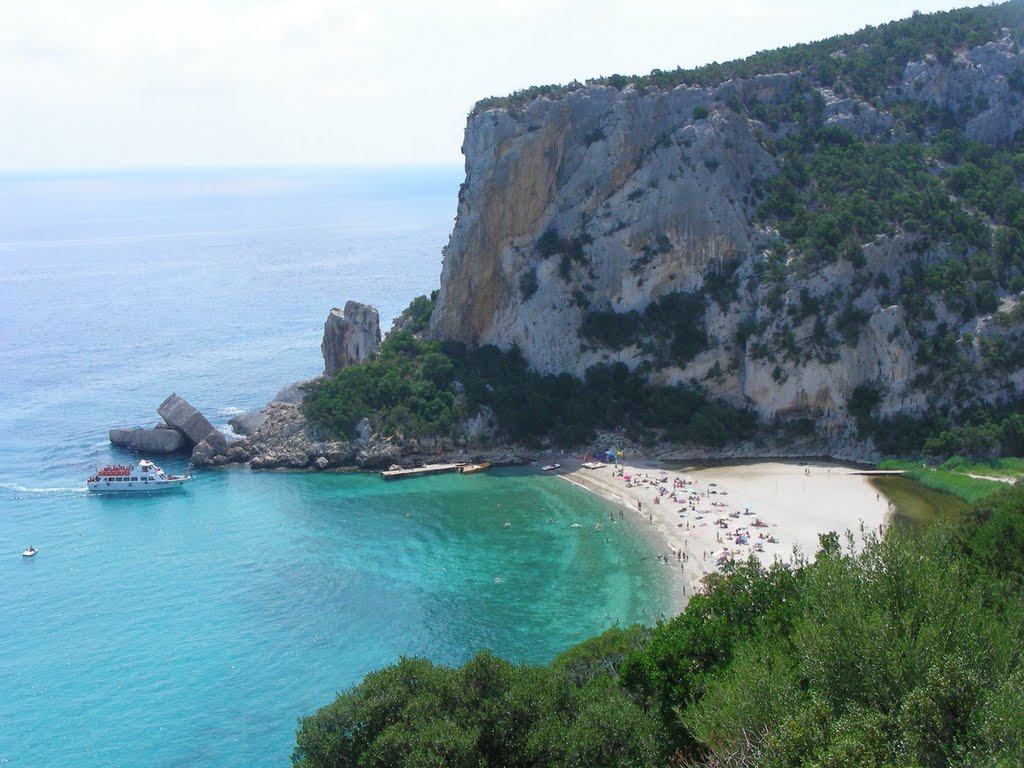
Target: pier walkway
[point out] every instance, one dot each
(428, 469)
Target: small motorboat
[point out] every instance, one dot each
(30, 552)
(467, 469)
(592, 465)
(549, 467)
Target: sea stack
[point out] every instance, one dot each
(351, 336)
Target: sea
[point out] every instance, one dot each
(195, 628)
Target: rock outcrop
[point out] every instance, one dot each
(350, 336)
(247, 423)
(212, 449)
(182, 416)
(284, 440)
(976, 81)
(148, 440)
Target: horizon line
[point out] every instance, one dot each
(215, 167)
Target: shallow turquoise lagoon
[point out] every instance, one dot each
(194, 628)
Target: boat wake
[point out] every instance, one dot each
(25, 489)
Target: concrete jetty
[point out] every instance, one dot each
(428, 469)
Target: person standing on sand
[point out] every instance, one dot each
(639, 506)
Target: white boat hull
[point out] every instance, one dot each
(146, 477)
(110, 485)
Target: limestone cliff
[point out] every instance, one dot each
(599, 201)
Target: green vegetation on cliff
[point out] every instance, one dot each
(670, 330)
(871, 59)
(417, 388)
(904, 653)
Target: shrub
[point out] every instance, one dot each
(549, 243)
(528, 284)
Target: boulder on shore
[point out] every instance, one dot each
(247, 423)
(293, 393)
(212, 449)
(148, 440)
(350, 336)
(185, 418)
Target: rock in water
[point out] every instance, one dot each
(247, 423)
(148, 440)
(182, 416)
(212, 449)
(350, 336)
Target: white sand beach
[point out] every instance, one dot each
(769, 509)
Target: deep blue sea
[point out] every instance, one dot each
(194, 628)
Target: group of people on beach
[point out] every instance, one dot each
(737, 539)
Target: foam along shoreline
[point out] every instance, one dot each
(770, 509)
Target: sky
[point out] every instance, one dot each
(98, 84)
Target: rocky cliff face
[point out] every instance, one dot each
(350, 336)
(654, 196)
(606, 201)
(979, 80)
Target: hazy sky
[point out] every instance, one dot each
(157, 83)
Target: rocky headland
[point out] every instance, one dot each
(279, 436)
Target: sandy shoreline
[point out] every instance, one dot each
(790, 502)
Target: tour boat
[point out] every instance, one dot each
(30, 552)
(144, 476)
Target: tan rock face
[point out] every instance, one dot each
(655, 194)
(350, 336)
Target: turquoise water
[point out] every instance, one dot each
(194, 628)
